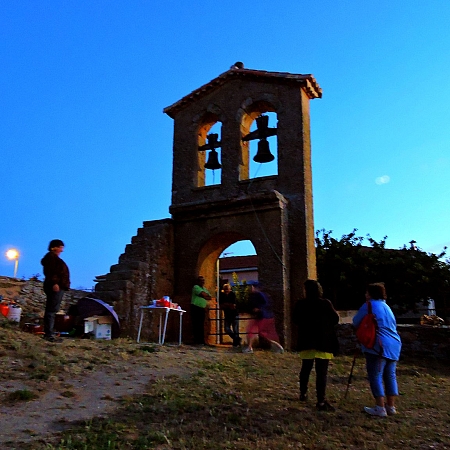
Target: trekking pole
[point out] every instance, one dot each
(349, 381)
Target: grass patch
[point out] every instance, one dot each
(21, 395)
(224, 400)
(237, 401)
(68, 394)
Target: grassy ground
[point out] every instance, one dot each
(241, 401)
(250, 402)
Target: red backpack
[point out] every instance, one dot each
(366, 333)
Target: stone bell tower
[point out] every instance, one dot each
(275, 213)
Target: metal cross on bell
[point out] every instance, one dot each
(262, 132)
(213, 157)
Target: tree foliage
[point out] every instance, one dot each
(242, 291)
(345, 266)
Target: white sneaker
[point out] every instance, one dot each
(276, 347)
(391, 410)
(376, 411)
(247, 349)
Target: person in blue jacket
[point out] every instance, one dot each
(381, 361)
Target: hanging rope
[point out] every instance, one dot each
(259, 222)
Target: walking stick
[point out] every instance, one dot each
(351, 373)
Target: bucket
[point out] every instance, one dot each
(34, 328)
(64, 322)
(4, 308)
(14, 313)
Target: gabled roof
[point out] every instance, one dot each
(308, 82)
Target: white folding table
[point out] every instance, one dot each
(162, 328)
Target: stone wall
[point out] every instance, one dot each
(144, 272)
(29, 294)
(417, 341)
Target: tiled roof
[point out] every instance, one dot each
(238, 262)
(308, 82)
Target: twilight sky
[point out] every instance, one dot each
(86, 151)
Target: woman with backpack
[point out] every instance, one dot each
(382, 357)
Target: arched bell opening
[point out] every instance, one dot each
(264, 152)
(209, 171)
(259, 144)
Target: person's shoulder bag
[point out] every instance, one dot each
(366, 333)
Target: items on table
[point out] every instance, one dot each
(165, 302)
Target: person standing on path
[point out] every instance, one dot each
(57, 280)
(317, 340)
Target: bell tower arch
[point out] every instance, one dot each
(274, 212)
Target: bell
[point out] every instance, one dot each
(262, 122)
(263, 154)
(213, 161)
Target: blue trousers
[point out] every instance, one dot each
(231, 325)
(381, 371)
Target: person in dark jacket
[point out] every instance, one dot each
(57, 280)
(227, 302)
(317, 340)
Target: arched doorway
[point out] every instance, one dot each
(236, 266)
(209, 267)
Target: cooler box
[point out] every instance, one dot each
(99, 326)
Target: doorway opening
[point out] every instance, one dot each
(236, 266)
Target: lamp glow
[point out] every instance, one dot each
(13, 254)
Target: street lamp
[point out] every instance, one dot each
(13, 254)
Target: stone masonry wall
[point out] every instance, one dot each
(417, 341)
(29, 295)
(144, 272)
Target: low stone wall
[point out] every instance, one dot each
(29, 295)
(417, 341)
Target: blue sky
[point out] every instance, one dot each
(86, 151)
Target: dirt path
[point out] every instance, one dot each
(68, 399)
